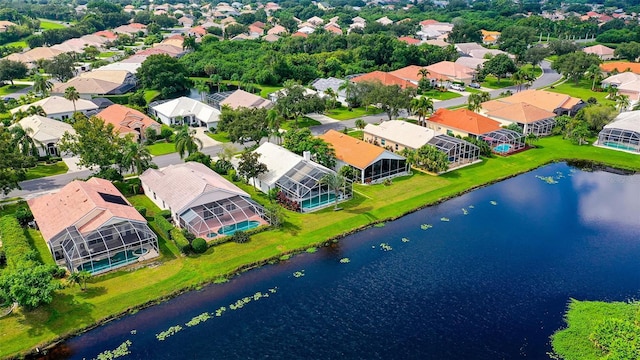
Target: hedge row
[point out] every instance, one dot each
(180, 240)
(164, 226)
(15, 244)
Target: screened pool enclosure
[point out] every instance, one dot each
(459, 152)
(504, 141)
(620, 139)
(109, 247)
(222, 217)
(303, 185)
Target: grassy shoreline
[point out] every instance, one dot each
(117, 293)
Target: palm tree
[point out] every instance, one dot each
(189, 43)
(422, 106)
(136, 157)
(349, 90)
(24, 141)
(72, 95)
(42, 85)
(360, 124)
(531, 138)
(336, 183)
(594, 72)
(612, 92)
(622, 102)
(36, 110)
(423, 73)
(202, 88)
(215, 78)
(186, 142)
(273, 123)
(83, 276)
(474, 103)
(19, 115)
(332, 95)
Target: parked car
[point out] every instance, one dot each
(474, 85)
(457, 87)
(7, 99)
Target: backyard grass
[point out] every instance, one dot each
(44, 170)
(20, 43)
(9, 89)
(221, 136)
(583, 317)
(150, 95)
(106, 54)
(48, 25)
(582, 90)
(491, 82)
(343, 113)
(358, 134)
(161, 148)
(302, 122)
(119, 291)
(440, 95)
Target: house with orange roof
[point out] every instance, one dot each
(198, 31)
(128, 121)
(620, 66)
(300, 34)
(90, 226)
(371, 164)
(603, 52)
(384, 78)
(333, 28)
(409, 40)
(530, 118)
(490, 37)
(107, 34)
(557, 103)
(201, 201)
(277, 30)
(409, 73)
(255, 30)
(450, 71)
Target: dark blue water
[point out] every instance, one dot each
(492, 284)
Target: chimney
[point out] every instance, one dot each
(307, 155)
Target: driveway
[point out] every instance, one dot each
(206, 140)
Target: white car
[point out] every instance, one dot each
(457, 87)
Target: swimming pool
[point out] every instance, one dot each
(616, 145)
(119, 259)
(502, 148)
(318, 201)
(231, 229)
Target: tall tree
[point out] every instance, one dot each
(42, 85)
(163, 73)
(499, 66)
(516, 39)
(391, 99)
(189, 43)
(422, 107)
(136, 157)
(301, 140)
(250, 166)
(186, 141)
(336, 183)
(61, 67)
(11, 70)
(24, 141)
(72, 95)
(12, 162)
(573, 66)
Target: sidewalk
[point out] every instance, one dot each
(322, 119)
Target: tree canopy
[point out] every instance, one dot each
(164, 73)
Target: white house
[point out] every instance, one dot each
(185, 111)
(47, 132)
(57, 107)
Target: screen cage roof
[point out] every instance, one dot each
(301, 179)
(207, 217)
(503, 135)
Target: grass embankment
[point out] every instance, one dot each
(119, 291)
(302, 122)
(440, 95)
(44, 170)
(10, 89)
(48, 25)
(582, 90)
(20, 43)
(584, 324)
(150, 95)
(343, 113)
(161, 148)
(221, 136)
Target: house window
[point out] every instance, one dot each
(154, 197)
(65, 117)
(382, 142)
(396, 147)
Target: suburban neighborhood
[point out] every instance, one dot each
(214, 137)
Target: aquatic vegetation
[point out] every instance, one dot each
(134, 331)
(298, 273)
(471, 206)
(120, 351)
(312, 250)
(285, 257)
(547, 179)
(493, 202)
(379, 225)
(220, 280)
(345, 260)
(198, 319)
(405, 240)
(220, 311)
(465, 211)
(385, 247)
(169, 332)
(444, 219)
(426, 226)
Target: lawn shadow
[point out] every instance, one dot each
(92, 291)
(291, 228)
(64, 308)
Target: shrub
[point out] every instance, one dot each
(199, 245)
(222, 167)
(142, 210)
(15, 243)
(166, 132)
(110, 174)
(24, 216)
(164, 226)
(187, 235)
(180, 240)
(241, 237)
(165, 214)
(57, 271)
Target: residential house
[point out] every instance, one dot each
(277, 30)
(88, 87)
(384, 21)
(185, 111)
(530, 118)
(627, 83)
(620, 66)
(297, 178)
(201, 201)
(255, 31)
(90, 226)
(371, 164)
(46, 132)
(357, 23)
(186, 22)
(484, 53)
(560, 104)
(30, 57)
(448, 71)
(239, 99)
(113, 73)
(490, 37)
(471, 63)
(129, 121)
(437, 42)
(466, 48)
(432, 30)
(57, 107)
(271, 38)
(622, 134)
(131, 29)
(4, 25)
(603, 52)
(109, 35)
(384, 78)
(409, 40)
(315, 21)
(398, 135)
(333, 28)
(322, 85)
(274, 96)
(306, 30)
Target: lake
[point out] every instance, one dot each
(492, 282)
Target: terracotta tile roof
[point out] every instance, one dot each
(522, 113)
(106, 33)
(138, 26)
(409, 40)
(598, 50)
(408, 73)
(300, 34)
(199, 30)
(333, 29)
(546, 100)
(278, 29)
(621, 66)
(256, 29)
(126, 119)
(80, 204)
(450, 70)
(428, 22)
(464, 120)
(259, 24)
(385, 79)
(352, 151)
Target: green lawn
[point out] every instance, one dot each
(583, 317)
(582, 91)
(119, 291)
(491, 82)
(440, 95)
(302, 122)
(358, 134)
(265, 90)
(150, 95)
(20, 43)
(343, 113)
(44, 170)
(8, 89)
(107, 54)
(161, 148)
(221, 136)
(48, 25)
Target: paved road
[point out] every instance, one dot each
(31, 188)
